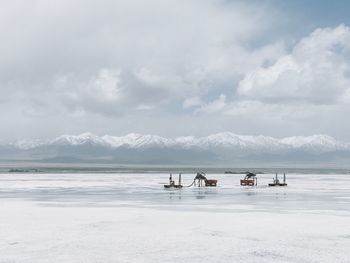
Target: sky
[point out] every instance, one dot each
(174, 68)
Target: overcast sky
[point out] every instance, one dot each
(172, 67)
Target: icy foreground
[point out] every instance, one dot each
(130, 218)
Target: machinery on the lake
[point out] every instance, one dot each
(276, 181)
(172, 183)
(249, 180)
(201, 180)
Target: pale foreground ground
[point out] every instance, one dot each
(130, 218)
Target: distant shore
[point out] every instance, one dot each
(37, 167)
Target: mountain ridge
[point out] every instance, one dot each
(224, 148)
(224, 140)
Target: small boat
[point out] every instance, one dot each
(172, 183)
(276, 181)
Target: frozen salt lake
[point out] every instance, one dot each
(131, 218)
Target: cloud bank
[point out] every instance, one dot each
(167, 67)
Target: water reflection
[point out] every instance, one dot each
(174, 194)
(307, 193)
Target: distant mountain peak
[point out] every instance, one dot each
(224, 147)
(225, 140)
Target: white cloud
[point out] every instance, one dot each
(113, 60)
(213, 106)
(149, 78)
(191, 102)
(105, 86)
(145, 107)
(103, 66)
(316, 71)
(102, 92)
(181, 47)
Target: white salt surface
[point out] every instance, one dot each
(131, 218)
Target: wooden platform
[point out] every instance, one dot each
(247, 182)
(211, 182)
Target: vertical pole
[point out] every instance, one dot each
(179, 178)
(284, 178)
(276, 178)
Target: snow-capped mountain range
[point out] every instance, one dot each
(224, 140)
(217, 148)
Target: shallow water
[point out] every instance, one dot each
(131, 218)
(312, 192)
